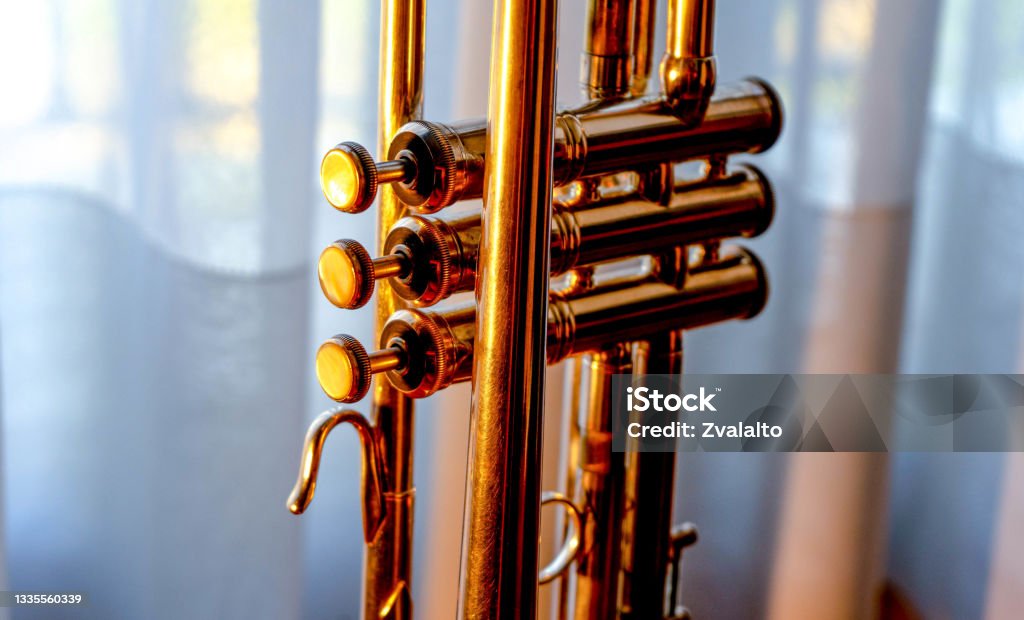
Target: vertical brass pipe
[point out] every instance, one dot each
(388, 568)
(688, 66)
(690, 28)
(602, 474)
(499, 578)
(650, 482)
(643, 43)
(570, 459)
(608, 49)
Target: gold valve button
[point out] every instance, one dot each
(343, 369)
(348, 177)
(346, 274)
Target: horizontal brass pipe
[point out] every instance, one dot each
(430, 257)
(445, 163)
(429, 350)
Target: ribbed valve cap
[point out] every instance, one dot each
(346, 274)
(348, 177)
(343, 369)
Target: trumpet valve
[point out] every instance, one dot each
(350, 177)
(345, 370)
(348, 274)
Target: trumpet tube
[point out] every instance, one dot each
(428, 258)
(602, 476)
(499, 558)
(688, 71)
(428, 350)
(647, 520)
(643, 37)
(445, 163)
(387, 578)
(607, 65)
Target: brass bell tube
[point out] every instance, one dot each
(424, 351)
(427, 258)
(445, 164)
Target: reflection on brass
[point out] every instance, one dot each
(430, 257)
(608, 49)
(602, 475)
(445, 163)
(374, 506)
(424, 351)
(688, 66)
(570, 548)
(588, 246)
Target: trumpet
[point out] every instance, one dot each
(589, 248)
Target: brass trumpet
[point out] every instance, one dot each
(588, 248)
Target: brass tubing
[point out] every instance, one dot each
(601, 480)
(499, 555)
(740, 204)
(650, 481)
(388, 566)
(688, 66)
(391, 358)
(374, 506)
(430, 257)
(607, 50)
(439, 345)
(390, 266)
(734, 288)
(598, 139)
(691, 28)
(643, 42)
(569, 464)
(744, 117)
(393, 171)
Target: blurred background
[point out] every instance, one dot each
(159, 221)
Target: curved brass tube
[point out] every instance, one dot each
(571, 546)
(374, 507)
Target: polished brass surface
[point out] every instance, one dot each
(688, 69)
(429, 258)
(608, 49)
(570, 547)
(348, 275)
(374, 505)
(602, 478)
(387, 591)
(596, 139)
(650, 480)
(500, 554)
(743, 117)
(428, 350)
(643, 42)
(587, 247)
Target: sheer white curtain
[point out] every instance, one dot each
(159, 218)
